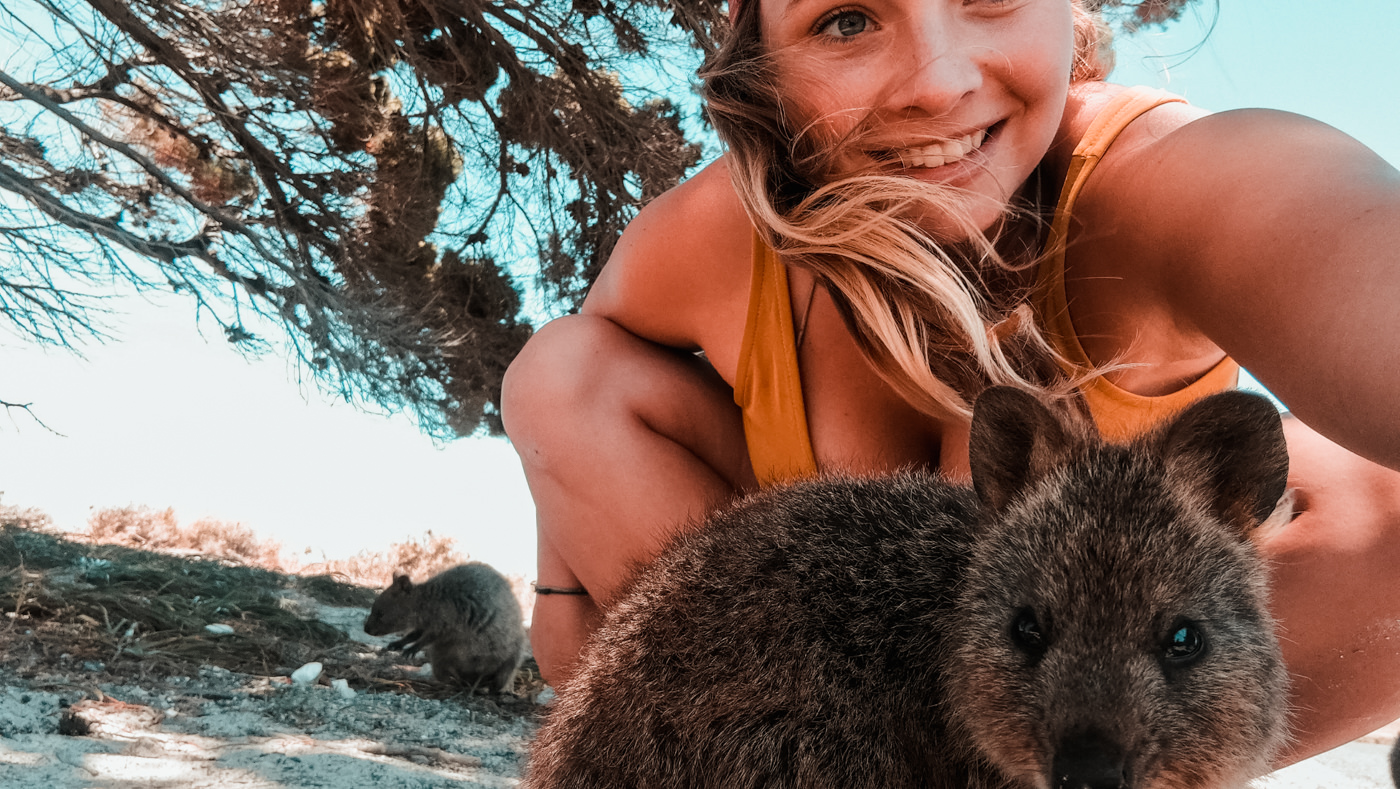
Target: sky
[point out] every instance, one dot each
(166, 417)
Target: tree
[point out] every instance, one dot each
(386, 179)
(361, 171)
(1130, 17)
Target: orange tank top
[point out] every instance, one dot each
(768, 385)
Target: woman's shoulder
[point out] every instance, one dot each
(1255, 229)
(1088, 102)
(703, 209)
(680, 272)
(1181, 178)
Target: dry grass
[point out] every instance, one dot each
(417, 558)
(133, 612)
(159, 530)
(111, 604)
(24, 517)
(145, 527)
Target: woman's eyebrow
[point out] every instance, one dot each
(793, 6)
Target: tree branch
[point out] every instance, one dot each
(26, 408)
(38, 97)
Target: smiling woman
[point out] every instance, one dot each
(853, 109)
(852, 290)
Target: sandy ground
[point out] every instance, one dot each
(220, 729)
(1361, 764)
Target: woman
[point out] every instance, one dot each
(957, 199)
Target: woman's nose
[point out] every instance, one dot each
(936, 67)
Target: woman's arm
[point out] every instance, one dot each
(1277, 238)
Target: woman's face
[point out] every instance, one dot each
(967, 93)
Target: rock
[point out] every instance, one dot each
(307, 674)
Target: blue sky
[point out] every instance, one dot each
(1335, 61)
(163, 417)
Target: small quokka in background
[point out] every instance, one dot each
(1085, 616)
(1395, 763)
(466, 619)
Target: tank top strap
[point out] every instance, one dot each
(1119, 414)
(768, 385)
(1121, 110)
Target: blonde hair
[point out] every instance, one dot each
(939, 321)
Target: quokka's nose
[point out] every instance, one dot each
(1088, 761)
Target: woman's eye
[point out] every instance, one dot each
(845, 24)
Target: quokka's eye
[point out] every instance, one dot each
(1185, 644)
(1027, 633)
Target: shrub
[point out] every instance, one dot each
(133, 526)
(233, 542)
(144, 527)
(418, 558)
(27, 518)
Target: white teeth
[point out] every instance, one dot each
(941, 153)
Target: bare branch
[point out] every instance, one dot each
(41, 98)
(29, 411)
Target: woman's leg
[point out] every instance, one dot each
(1336, 593)
(623, 441)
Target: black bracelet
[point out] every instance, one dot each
(570, 590)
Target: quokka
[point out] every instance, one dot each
(1084, 616)
(467, 620)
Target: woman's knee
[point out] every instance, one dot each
(583, 383)
(575, 369)
(554, 374)
(1335, 591)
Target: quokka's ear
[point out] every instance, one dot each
(1230, 447)
(402, 583)
(1015, 441)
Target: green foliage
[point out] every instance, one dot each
(384, 178)
(401, 185)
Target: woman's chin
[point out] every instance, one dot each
(975, 217)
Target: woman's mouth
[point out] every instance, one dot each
(942, 153)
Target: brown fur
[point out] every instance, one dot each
(466, 618)
(906, 632)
